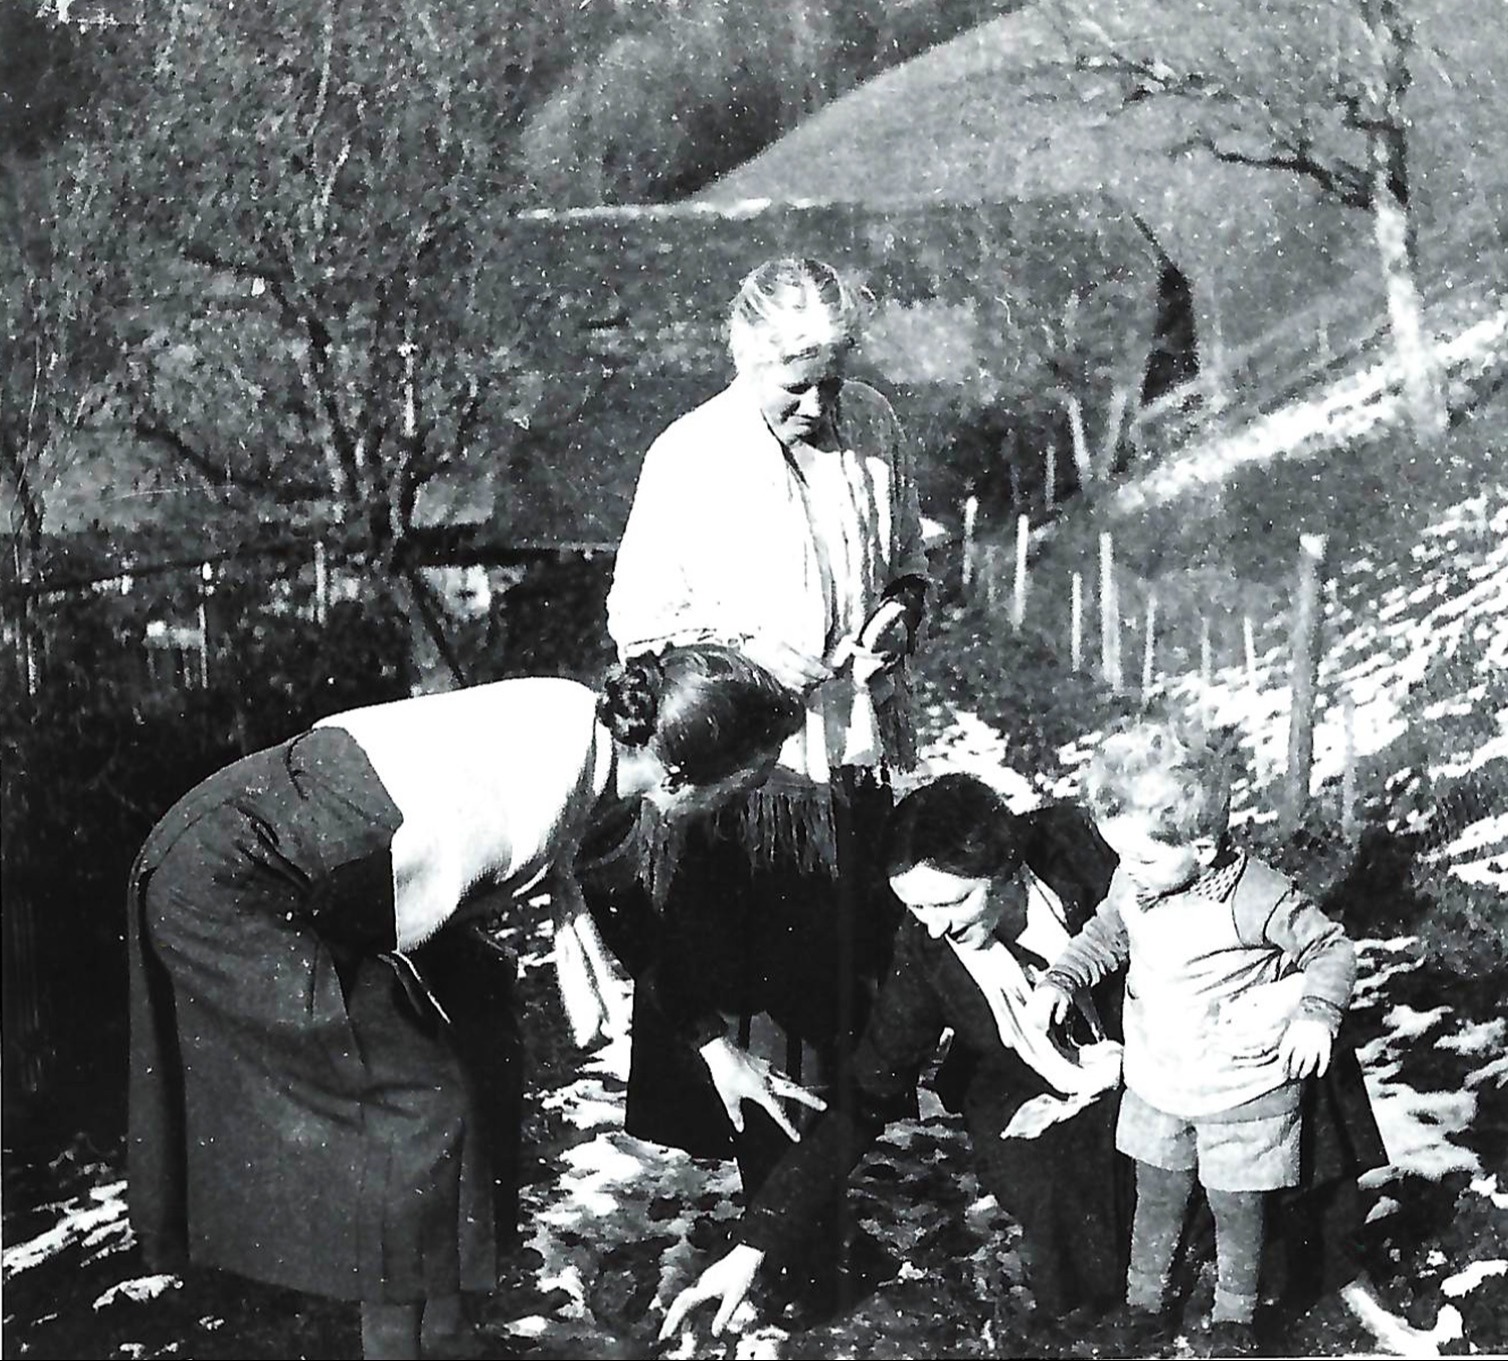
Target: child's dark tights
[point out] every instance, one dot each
(1162, 1196)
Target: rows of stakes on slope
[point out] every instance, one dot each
(1441, 613)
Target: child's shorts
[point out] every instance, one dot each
(1260, 1154)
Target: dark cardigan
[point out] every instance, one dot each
(1068, 1188)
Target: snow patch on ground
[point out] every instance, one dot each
(138, 1289)
(1464, 1282)
(93, 1224)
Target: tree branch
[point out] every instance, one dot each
(466, 422)
(1345, 182)
(280, 488)
(430, 615)
(15, 464)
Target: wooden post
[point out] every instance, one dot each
(321, 582)
(1249, 637)
(1348, 819)
(1018, 595)
(1110, 616)
(206, 585)
(1115, 423)
(28, 649)
(1304, 679)
(1083, 460)
(1050, 479)
(970, 519)
(1076, 625)
(991, 569)
(1212, 371)
(1149, 647)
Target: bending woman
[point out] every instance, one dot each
(304, 1108)
(779, 517)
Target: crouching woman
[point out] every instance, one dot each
(1040, 1110)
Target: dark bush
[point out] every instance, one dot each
(90, 761)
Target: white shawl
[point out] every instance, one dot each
(731, 540)
(1082, 1075)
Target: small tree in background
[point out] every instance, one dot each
(303, 245)
(54, 301)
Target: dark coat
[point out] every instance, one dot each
(783, 960)
(1068, 1188)
(299, 1111)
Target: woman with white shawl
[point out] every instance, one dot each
(780, 517)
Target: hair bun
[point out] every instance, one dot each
(631, 699)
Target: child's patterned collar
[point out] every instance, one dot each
(1216, 883)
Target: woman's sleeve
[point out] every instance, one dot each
(904, 1029)
(650, 604)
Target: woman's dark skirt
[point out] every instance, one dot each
(301, 1112)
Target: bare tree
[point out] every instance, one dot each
(316, 305)
(1310, 89)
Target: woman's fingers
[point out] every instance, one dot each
(738, 1270)
(727, 1280)
(771, 1104)
(682, 1305)
(774, 1088)
(733, 1296)
(787, 1087)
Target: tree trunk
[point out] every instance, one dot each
(1394, 229)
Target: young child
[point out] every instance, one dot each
(1235, 988)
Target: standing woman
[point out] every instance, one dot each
(304, 1108)
(781, 518)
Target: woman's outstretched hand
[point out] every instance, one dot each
(1047, 1005)
(740, 1076)
(887, 634)
(728, 1280)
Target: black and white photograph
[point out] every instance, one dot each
(753, 679)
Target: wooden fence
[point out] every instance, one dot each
(1111, 610)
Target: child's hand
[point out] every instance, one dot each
(1305, 1047)
(1047, 1005)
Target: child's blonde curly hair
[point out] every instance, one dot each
(1172, 771)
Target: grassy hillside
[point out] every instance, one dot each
(1001, 111)
(1413, 678)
